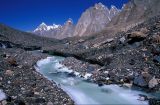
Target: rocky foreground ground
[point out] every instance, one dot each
(130, 57)
(23, 85)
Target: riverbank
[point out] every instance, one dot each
(23, 85)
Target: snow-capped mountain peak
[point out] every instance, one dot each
(55, 26)
(69, 21)
(43, 24)
(44, 27)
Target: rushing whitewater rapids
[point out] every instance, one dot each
(83, 92)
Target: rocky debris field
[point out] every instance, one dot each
(78, 65)
(80, 68)
(22, 84)
(130, 57)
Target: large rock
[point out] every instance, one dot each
(140, 81)
(153, 83)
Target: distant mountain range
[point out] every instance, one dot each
(99, 17)
(92, 20)
(55, 31)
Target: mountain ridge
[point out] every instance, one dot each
(94, 14)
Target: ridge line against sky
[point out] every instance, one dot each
(26, 15)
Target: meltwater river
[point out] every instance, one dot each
(83, 92)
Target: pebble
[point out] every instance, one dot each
(9, 72)
(4, 102)
(49, 103)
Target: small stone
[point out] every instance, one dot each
(109, 40)
(49, 103)
(141, 98)
(36, 93)
(100, 84)
(14, 97)
(8, 82)
(144, 49)
(9, 72)
(121, 80)
(1, 78)
(20, 66)
(12, 62)
(106, 72)
(22, 88)
(122, 40)
(127, 85)
(4, 102)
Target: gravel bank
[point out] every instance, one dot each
(23, 85)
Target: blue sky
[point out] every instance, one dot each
(28, 14)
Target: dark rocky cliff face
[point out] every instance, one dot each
(134, 12)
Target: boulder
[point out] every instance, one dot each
(100, 84)
(140, 81)
(156, 59)
(146, 76)
(156, 39)
(136, 34)
(12, 62)
(153, 83)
